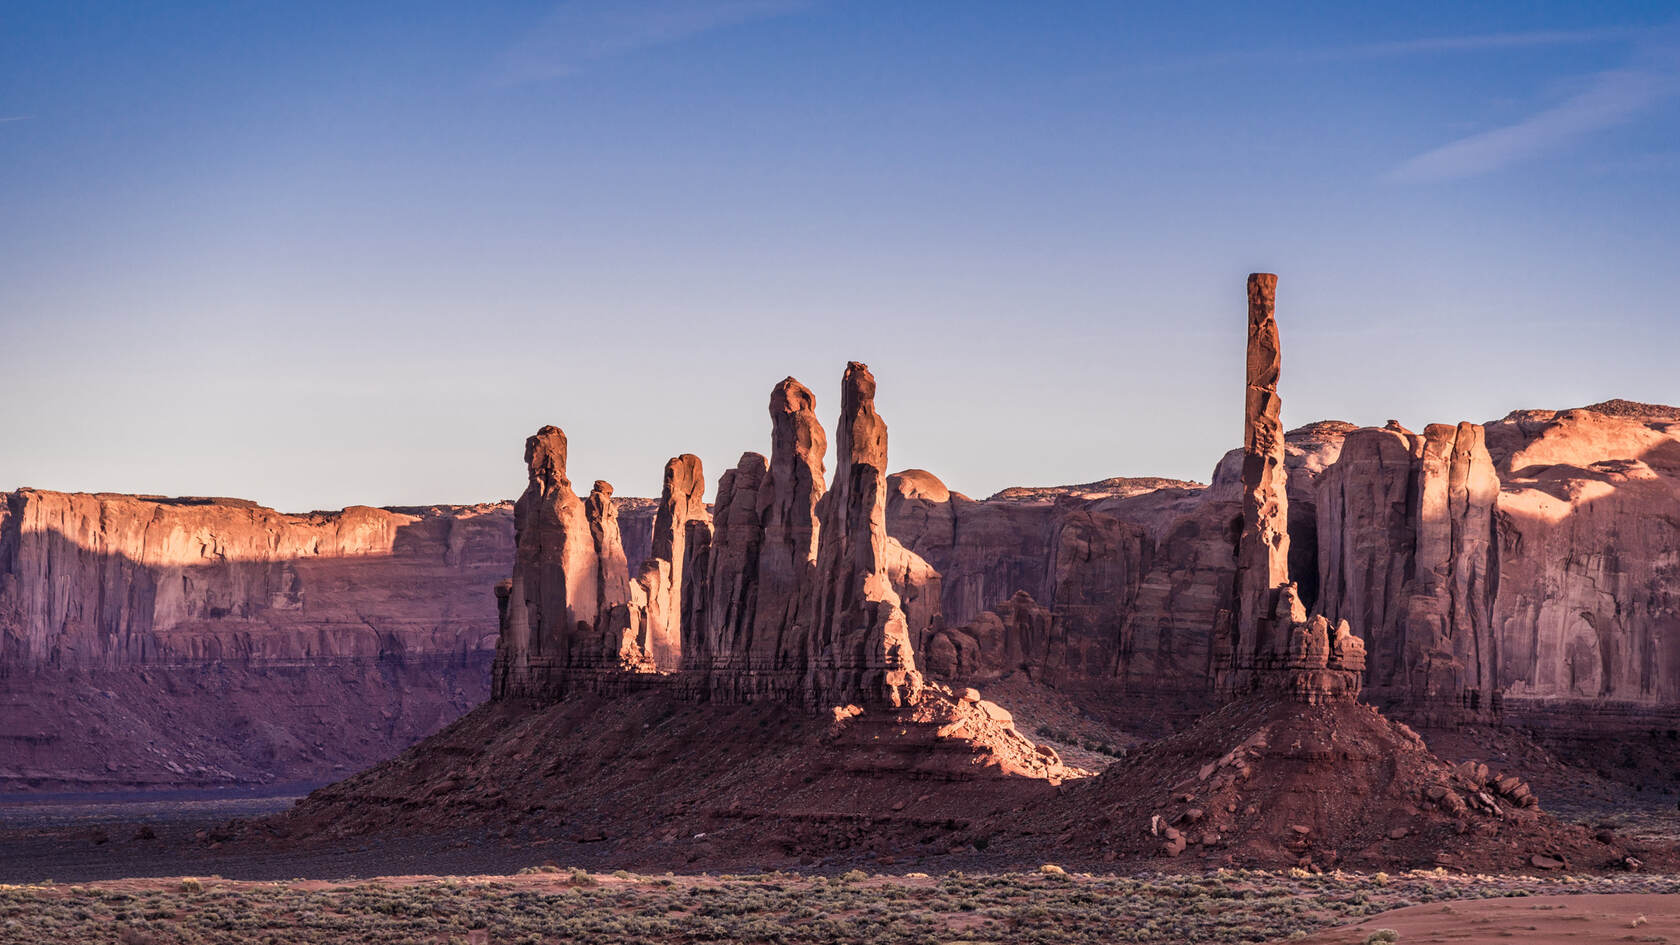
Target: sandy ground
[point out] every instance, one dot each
(1533, 920)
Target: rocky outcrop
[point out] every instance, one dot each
(682, 512)
(552, 605)
(1274, 644)
(1524, 567)
(1135, 573)
(1263, 547)
(612, 588)
(570, 615)
(148, 641)
(1405, 543)
(781, 592)
(723, 613)
(1586, 601)
(1020, 636)
(102, 581)
(860, 646)
(750, 643)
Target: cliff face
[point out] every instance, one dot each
(1587, 548)
(103, 581)
(1138, 575)
(1528, 569)
(278, 646)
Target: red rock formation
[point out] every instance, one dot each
(681, 503)
(1587, 603)
(622, 621)
(768, 600)
(1518, 589)
(787, 509)
(240, 643)
(860, 647)
(719, 639)
(1135, 572)
(749, 643)
(1274, 644)
(552, 604)
(613, 580)
(1021, 636)
(1263, 549)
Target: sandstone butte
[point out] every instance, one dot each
(1519, 571)
(787, 598)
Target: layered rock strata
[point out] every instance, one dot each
(1137, 575)
(1527, 564)
(101, 581)
(148, 641)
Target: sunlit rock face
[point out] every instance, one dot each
(243, 644)
(786, 589)
(1587, 547)
(1527, 568)
(113, 580)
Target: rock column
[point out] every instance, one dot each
(860, 644)
(1263, 548)
(682, 501)
(553, 598)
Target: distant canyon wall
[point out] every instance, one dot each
(1526, 569)
(151, 641)
(102, 581)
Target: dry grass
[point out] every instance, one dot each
(545, 906)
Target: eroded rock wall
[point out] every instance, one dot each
(108, 581)
(1536, 559)
(153, 642)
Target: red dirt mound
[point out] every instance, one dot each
(668, 783)
(1273, 782)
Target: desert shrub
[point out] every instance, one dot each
(1382, 937)
(191, 885)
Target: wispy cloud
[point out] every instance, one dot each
(580, 32)
(1476, 43)
(1610, 98)
(1360, 52)
(6, 118)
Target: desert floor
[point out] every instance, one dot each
(547, 903)
(1536, 920)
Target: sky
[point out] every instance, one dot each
(329, 254)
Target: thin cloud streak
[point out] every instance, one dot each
(1395, 49)
(581, 32)
(1612, 98)
(6, 118)
(1479, 43)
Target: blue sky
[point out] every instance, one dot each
(316, 255)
